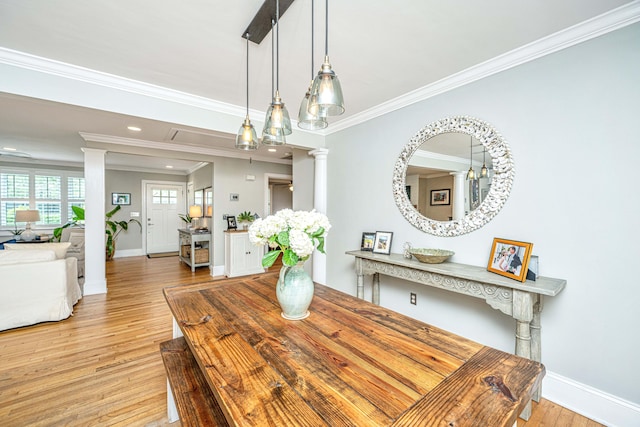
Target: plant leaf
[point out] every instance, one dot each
(270, 258)
(319, 232)
(321, 244)
(290, 258)
(283, 238)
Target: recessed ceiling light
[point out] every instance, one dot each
(134, 128)
(9, 148)
(169, 167)
(272, 150)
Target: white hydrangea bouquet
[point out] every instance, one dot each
(295, 234)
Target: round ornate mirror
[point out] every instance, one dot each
(484, 196)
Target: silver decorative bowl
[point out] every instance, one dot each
(431, 256)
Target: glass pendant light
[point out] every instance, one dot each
(246, 139)
(326, 91)
(277, 121)
(306, 120)
(267, 138)
(471, 175)
(484, 172)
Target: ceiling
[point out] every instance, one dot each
(382, 52)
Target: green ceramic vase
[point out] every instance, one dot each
(294, 292)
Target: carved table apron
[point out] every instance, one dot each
(522, 301)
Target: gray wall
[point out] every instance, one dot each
(117, 181)
(230, 177)
(571, 121)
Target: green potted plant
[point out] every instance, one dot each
(246, 218)
(186, 218)
(112, 228)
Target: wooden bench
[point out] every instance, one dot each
(196, 404)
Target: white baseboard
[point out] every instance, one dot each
(590, 402)
(94, 287)
(124, 253)
(217, 270)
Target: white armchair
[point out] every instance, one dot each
(36, 286)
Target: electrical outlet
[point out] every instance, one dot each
(413, 298)
(224, 217)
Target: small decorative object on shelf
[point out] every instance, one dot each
(407, 250)
(431, 256)
(245, 219)
(294, 235)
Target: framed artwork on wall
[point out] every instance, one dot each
(441, 197)
(510, 258)
(382, 242)
(120, 198)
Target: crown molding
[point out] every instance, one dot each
(610, 21)
(587, 30)
(73, 72)
(151, 145)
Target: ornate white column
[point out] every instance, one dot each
(94, 245)
(457, 212)
(320, 205)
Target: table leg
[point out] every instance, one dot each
(536, 340)
(523, 313)
(375, 289)
(360, 286)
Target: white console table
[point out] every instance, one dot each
(196, 240)
(522, 301)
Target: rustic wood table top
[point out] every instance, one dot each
(350, 363)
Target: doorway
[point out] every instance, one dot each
(278, 193)
(163, 201)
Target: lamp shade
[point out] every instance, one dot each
(195, 211)
(209, 210)
(306, 120)
(277, 121)
(247, 139)
(326, 93)
(28, 216)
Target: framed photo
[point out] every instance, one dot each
(382, 242)
(441, 197)
(231, 223)
(368, 239)
(120, 198)
(510, 258)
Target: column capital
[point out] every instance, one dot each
(319, 152)
(457, 173)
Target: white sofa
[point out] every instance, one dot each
(36, 286)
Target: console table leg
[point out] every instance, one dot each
(375, 297)
(360, 286)
(536, 340)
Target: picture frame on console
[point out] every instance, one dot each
(510, 258)
(441, 197)
(382, 242)
(231, 223)
(368, 239)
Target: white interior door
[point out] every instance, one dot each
(164, 203)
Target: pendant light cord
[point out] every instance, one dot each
(278, 45)
(273, 44)
(326, 28)
(312, 33)
(247, 37)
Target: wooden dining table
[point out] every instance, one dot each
(350, 363)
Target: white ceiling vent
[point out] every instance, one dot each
(201, 139)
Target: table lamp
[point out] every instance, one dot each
(28, 216)
(195, 212)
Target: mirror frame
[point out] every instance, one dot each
(501, 182)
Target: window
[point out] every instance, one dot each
(52, 193)
(164, 197)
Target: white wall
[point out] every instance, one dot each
(571, 121)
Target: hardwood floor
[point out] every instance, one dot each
(102, 366)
